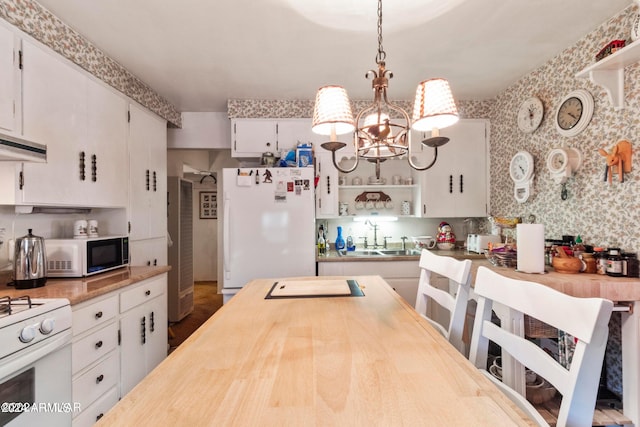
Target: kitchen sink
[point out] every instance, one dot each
(383, 252)
(399, 251)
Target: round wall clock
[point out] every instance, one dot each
(521, 172)
(530, 114)
(574, 113)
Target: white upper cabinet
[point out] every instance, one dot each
(252, 137)
(9, 81)
(457, 185)
(55, 114)
(327, 188)
(83, 123)
(148, 175)
(292, 132)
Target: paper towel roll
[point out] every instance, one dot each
(530, 240)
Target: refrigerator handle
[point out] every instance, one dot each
(225, 233)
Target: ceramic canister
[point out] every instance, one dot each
(405, 207)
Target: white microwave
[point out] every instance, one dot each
(84, 257)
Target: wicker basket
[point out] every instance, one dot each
(534, 328)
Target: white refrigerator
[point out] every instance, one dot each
(268, 225)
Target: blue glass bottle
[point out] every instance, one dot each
(340, 244)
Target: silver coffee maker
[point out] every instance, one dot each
(30, 262)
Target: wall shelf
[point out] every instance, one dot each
(609, 72)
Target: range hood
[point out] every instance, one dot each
(19, 150)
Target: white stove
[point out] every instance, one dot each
(35, 361)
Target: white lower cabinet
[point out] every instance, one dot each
(94, 355)
(143, 330)
(402, 276)
(117, 339)
(97, 409)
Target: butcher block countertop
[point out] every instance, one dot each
(83, 289)
(616, 289)
(348, 360)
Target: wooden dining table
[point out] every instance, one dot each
(308, 359)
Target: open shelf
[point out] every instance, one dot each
(609, 72)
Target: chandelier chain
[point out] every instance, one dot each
(380, 57)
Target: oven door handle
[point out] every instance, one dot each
(36, 352)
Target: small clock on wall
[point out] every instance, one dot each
(521, 172)
(574, 113)
(530, 114)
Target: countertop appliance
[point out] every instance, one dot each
(35, 362)
(29, 262)
(479, 242)
(268, 225)
(86, 256)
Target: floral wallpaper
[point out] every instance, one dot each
(30, 17)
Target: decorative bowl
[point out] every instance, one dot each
(568, 265)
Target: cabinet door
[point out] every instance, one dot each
(292, 132)
(252, 137)
(105, 183)
(157, 331)
(456, 186)
(327, 189)
(54, 113)
(133, 335)
(148, 183)
(158, 192)
(148, 252)
(143, 332)
(9, 81)
(139, 173)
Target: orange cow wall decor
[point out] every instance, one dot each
(619, 160)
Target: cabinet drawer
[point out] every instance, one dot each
(142, 293)
(96, 381)
(93, 413)
(88, 349)
(94, 314)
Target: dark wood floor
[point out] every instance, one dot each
(206, 301)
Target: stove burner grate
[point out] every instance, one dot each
(8, 305)
(5, 305)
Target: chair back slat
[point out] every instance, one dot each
(457, 271)
(585, 318)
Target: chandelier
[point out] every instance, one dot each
(382, 130)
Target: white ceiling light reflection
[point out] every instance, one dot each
(356, 15)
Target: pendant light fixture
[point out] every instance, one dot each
(382, 130)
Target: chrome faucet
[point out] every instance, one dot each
(404, 243)
(375, 227)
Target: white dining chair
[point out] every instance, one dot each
(586, 319)
(458, 271)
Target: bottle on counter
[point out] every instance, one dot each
(629, 264)
(590, 263)
(614, 263)
(340, 244)
(578, 248)
(322, 243)
(601, 260)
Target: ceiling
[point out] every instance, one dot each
(199, 53)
